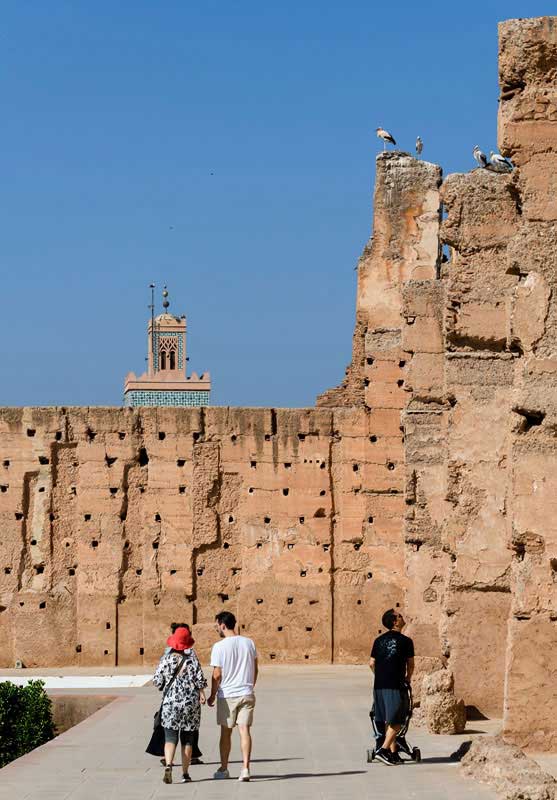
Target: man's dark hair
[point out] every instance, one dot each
(227, 619)
(389, 618)
(175, 625)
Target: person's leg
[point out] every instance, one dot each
(245, 743)
(390, 738)
(170, 742)
(225, 746)
(186, 758)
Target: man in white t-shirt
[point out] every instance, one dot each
(234, 662)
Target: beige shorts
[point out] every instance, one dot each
(233, 711)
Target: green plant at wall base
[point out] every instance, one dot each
(25, 719)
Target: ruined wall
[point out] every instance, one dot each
(427, 479)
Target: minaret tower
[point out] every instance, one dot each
(166, 383)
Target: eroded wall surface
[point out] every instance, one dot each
(427, 479)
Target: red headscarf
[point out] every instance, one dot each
(181, 639)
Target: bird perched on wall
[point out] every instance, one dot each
(419, 145)
(502, 164)
(480, 157)
(385, 136)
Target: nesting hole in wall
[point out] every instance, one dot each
(326, 547)
(200, 571)
(369, 576)
(290, 546)
(7, 570)
(301, 436)
(272, 656)
(259, 600)
(320, 513)
(253, 464)
(366, 382)
(142, 490)
(181, 462)
(358, 602)
(302, 520)
(287, 465)
(267, 520)
(126, 545)
(231, 518)
(181, 489)
(259, 545)
(90, 435)
(141, 651)
(108, 626)
(31, 431)
(21, 603)
(286, 492)
(73, 490)
(123, 516)
(33, 542)
(313, 602)
(306, 657)
(110, 460)
(143, 457)
(322, 465)
(308, 629)
(223, 597)
(402, 364)
(157, 517)
(41, 488)
(139, 572)
(162, 436)
(52, 517)
(94, 543)
(113, 490)
(71, 571)
(44, 460)
(173, 572)
(155, 545)
(4, 487)
(6, 463)
(39, 569)
(105, 652)
(289, 600)
(235, 570)
(66, 544)
(18, 515)
(121, 435)
(78, 648)
(370, 520)
(322, 493)
(303, 573)
(225, 545)
(373, 439)
(196, 436)
(390, 466)
(369, 361)
(357, 545)
(250, 490)
(279, 629)
(58, 435)
(267, 437)
(400, 383)
(233, 437)
(355, 467)
(87, 517)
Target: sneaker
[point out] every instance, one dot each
(167, 776)
(163, 762)
(186, 778)
(244, 774)
(384, 756)
(221, 774)
(195, 762)
(396, 759)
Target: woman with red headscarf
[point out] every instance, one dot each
(180, 672)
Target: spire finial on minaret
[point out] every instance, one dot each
(165, 300)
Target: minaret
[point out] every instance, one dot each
(166, 383)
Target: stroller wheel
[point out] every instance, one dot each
(370, 756)
(416, 755)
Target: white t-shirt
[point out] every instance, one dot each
(235, 655)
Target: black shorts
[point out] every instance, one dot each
(390, 706)
(186, 737)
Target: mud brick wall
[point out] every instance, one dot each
(426, 479)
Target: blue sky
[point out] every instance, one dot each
(226, 149)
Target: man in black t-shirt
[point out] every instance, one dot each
(392, 661)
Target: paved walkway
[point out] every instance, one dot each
(310, 735)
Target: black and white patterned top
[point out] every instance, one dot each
(181, 709)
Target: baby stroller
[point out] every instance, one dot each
(413, 753)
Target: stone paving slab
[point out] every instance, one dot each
(310, 738)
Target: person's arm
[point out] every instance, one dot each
(372, 664)
(159, 678)
(216, 679)
(409, 669)
(255, 671)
